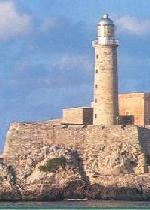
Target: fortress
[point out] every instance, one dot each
(112, 136)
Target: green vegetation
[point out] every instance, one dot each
(1, 180)
(53, 164)
(12, 174)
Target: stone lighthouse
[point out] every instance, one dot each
(105, 103)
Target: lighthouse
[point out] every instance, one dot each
(105, 105)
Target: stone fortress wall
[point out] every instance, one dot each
(105, 150)
(147, 108)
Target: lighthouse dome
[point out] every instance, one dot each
(105, 20)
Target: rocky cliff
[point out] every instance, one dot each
(57, 173)
(54, 173)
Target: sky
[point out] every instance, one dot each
(46, 57)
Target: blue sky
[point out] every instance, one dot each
(46, 58)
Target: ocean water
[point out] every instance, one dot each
(76, 205)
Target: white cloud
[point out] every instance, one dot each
(73, 61)
(134, 25)
(12, 22)
(50, 23)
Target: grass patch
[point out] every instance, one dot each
(1, 180)
(53, 165)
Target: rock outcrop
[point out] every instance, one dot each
(54, 173)
(115, 158)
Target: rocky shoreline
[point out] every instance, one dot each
(57, 173)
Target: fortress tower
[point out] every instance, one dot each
(105, 77)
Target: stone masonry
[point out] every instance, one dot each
(104, 150)
(78, 115)
(105, 85)
(136, 105)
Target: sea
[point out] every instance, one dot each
(94, 204)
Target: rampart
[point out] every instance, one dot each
(104, 150)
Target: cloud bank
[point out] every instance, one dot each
(134, 25)
(12, 23)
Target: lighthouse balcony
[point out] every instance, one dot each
(105, 42)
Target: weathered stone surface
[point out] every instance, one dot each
(63, 177)
(136, 105)
(105, 150)
(78, 115)
(114, 159)
(105, 85)
(113, 156)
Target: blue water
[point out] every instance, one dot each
(76, 205)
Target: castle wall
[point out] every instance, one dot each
(114, 150)
(73, 116)
(147, 108)
(104, 150)
(132, 104)
(73, 136)
(88, 116)
(95, 135)
(79, 115)
(23, 138)
(144, 137)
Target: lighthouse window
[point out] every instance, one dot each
(95, 100)
(96, 70)
(95, 115)
(96, 86)
(97, 56)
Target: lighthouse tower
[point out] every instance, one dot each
(105, 103)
